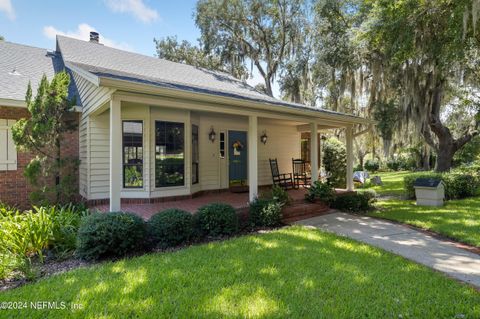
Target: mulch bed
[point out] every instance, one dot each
(49, 268)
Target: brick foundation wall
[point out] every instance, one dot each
(14, 188)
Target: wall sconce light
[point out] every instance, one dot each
(211, 135)
(264, 138)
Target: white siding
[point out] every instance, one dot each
(91, 97)
(283, 143)
(83, 151)
(99, 137)
(213, 169)
(8, 151)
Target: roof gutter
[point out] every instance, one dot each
(23, 104)
(205, 97)
(13, 103)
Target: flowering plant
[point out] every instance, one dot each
(237, 145)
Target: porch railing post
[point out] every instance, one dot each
(349, 145)
(314, 151)
(115, 154)
(252, 157)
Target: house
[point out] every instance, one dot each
(151, 129)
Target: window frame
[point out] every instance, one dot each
(221, 145)
(143, 155)
(196, 162)
(158, 188)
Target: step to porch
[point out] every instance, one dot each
(295, 211)
(298, 211)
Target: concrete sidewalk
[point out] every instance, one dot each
(441, 255)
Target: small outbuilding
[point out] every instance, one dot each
(429, 192)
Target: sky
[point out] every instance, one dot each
(124, 24)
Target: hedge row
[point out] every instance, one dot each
(359, 201)
(117, 234)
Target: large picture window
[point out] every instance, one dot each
(132, 154)
(195, 154)
(169, 154)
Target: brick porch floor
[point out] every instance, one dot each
(237, 200)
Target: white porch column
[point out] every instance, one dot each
(349, 142)
(314, 151)
(252, 157)
(115, 154)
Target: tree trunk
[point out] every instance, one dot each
(447, 146)
(268, 86)
(444, 160)
(386, 147)
(57, 169)
(361, 159)
(426, 158)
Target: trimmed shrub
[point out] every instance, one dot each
(216, 219)
(335, 161)
(358, 167)
(369, 194)
(170, 228)
(402, 163)
(457, 184)
(393, 165)
(280, 195)
(409, 181)
(460, 185)
(321, 191)
(355, 202)
(372, 165)
(265, 213)
(114, 234)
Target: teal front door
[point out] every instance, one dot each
(237, 157)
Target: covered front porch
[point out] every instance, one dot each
(239, 201)
(147, 153)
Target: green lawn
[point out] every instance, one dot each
(458, 219)
(392, 183)
(294, 272)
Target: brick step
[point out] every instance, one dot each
(297, 201)
(297, 218)
(293, 212)
(303, 209)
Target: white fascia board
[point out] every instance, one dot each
(23, 104)
(304, 112)
(92, 78)
(13, 103)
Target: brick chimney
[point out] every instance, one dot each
(94, 37)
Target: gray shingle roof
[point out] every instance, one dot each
(113, 63)
(20, 64)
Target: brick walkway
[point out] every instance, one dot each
(237, 200)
